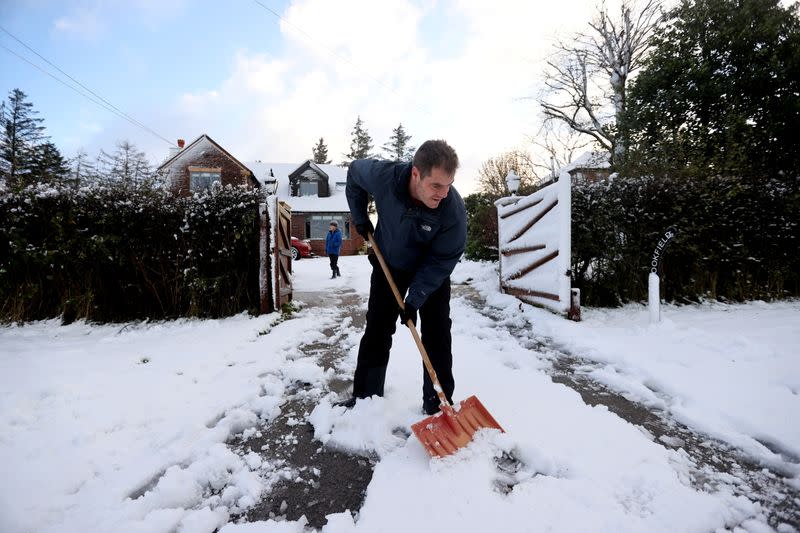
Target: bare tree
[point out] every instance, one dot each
(556, 145)
(586, 78)
(493, 172)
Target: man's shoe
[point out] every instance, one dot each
(348, 403)
(431, 408)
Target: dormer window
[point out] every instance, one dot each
(309, 188)
(309, 180)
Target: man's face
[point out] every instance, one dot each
(431, 189)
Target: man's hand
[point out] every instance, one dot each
(409, 313)
(365, 228)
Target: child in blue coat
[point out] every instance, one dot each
(333, 243)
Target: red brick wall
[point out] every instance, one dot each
(299, 225)
(231, 174)
(350, 246)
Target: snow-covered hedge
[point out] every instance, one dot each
(737, 239)
(114, 253)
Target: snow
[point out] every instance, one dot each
(589, 160)
(335, 203)
(123, 427)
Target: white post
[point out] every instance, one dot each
(564, 259)
(653, 297)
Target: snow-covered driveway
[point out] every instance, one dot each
(125, 427)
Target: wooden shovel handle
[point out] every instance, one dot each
(425, 359)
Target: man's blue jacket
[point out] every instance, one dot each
(411, 236)
(333, 242)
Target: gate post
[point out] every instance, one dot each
(264, 278)
(574, 312)
(654, 298)
(653, 280)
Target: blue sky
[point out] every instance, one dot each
(267, 87)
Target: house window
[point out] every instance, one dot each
(201, 179)
(317, 226)
(309, 188)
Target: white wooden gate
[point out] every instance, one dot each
(534, 234)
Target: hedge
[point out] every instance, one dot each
(118, 253)
(737, 239)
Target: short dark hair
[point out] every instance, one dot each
(435, 153)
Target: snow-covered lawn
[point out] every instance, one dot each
(731, 371)
(123, 427)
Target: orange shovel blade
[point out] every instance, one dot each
(445, 432)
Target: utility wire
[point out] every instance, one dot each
(337, 55)
(99, 100)
(59, 80)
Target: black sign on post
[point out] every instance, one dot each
(655, 262)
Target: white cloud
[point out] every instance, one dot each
(92, 20)
(83, 23)
(385, 62)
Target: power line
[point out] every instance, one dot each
(99, 100)
(337, 55)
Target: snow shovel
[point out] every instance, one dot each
(454, 426)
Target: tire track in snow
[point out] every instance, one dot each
(315, 481)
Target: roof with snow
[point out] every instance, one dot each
(195, 147)
(595, 160)
(337, 177)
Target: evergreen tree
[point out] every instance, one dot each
(720, 93)
(5, 165)
(21, 134)
(127, 165)
(360, 145)
(398, 147)
(320, 153)
(48, 165)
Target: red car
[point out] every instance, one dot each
(300, 248)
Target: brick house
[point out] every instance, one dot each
(198, 166)
(316, 195)
(589, 167)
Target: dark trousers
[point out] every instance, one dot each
(334, 262)
(382, 320)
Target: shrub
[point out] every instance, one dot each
(115, 253)
(737, 240)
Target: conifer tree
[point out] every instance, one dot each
(127, 165)
(320, 153)
(360, 145)
(398, 148)
(82, 169)
(21, 133)
(48, 165)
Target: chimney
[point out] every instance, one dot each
(181, 144)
